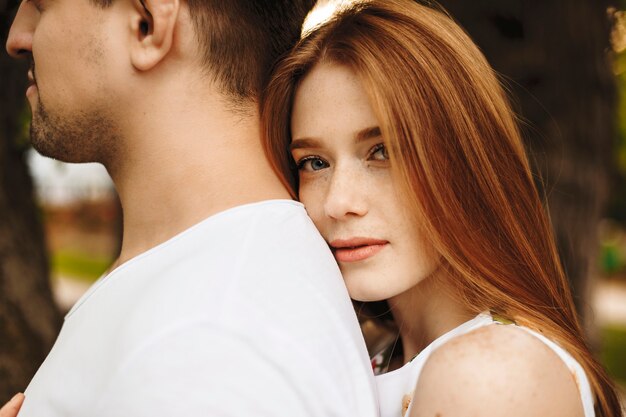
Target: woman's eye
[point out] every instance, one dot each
(379, 153)
(312, 163)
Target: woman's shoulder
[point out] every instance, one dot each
(496, 370)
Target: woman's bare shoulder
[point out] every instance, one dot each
(496, 371)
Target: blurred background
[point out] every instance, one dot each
(564, 65)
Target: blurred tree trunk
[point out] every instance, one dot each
(554, 59)
(29, 320)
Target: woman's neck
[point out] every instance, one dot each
(425, 312)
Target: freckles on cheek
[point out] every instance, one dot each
(313, 201)
(308, 200)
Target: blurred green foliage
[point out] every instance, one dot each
(611, 260)
(614, 351)
(22, 139)
(617, 199)
(620, 69)
(83, 266)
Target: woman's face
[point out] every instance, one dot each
(348, 190)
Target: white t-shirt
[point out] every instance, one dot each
(243, 314)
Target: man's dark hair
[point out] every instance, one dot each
(240, 40)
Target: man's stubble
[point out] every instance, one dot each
(88, 135)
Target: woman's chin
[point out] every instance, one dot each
(368, 295)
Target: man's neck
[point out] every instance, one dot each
(184, 167)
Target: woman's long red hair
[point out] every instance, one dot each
(456, 149)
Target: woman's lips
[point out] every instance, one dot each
(356, 249)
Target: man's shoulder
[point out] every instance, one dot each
(272, 240)
(275, 297)
(274, 228)
(272, 237)
(277, 219)
(262, 259)
(263, 269)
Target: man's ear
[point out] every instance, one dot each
(152, 26)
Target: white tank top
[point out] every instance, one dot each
(395, 388)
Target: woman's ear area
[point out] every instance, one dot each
(152, 26)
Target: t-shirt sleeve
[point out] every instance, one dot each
(199, 369)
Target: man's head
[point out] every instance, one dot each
(239, 40)
(92, 59)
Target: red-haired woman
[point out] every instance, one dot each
(389, 125)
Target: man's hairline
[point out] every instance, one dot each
(244, 106)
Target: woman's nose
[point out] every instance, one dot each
(346, 195)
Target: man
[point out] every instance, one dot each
(224, 300)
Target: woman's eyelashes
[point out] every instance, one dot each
(311, 163)
(378, 153)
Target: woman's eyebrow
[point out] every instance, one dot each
(368, 133)
(304, 143)
(362, 135)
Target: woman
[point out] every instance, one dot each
(392, 129)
